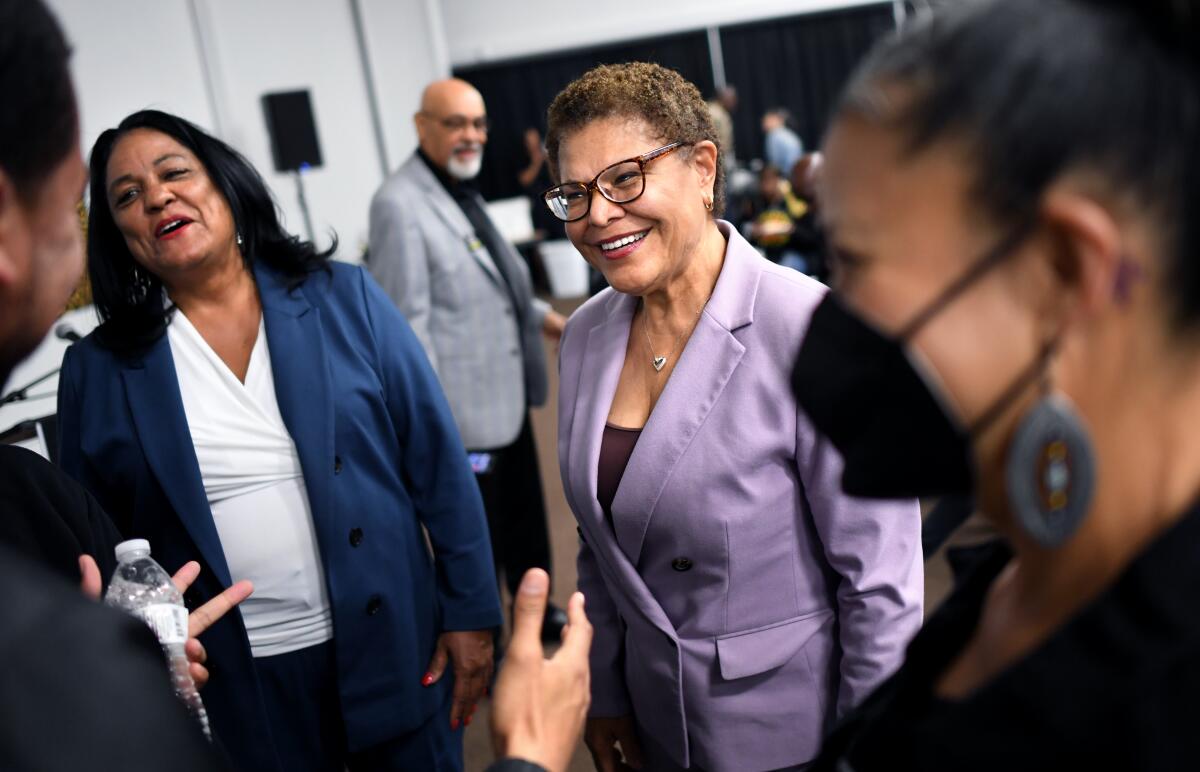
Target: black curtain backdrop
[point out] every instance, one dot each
(800, 63)
(517, 93)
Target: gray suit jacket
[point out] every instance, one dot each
(426, 255)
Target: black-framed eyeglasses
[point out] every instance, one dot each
(620, 183)
(460, 122)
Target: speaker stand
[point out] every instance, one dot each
(308, 227)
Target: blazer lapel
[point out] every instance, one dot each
(452, 214)
(300, 366)
(600, 370)
(706, 364)
(152, 388)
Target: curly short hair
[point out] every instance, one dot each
(666, 101)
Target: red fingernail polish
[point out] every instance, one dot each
(427, 680)
(454, 724)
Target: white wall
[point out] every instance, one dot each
(212, 60)
(281, 45)
(486, 30)
(406, 46)
(143, 55)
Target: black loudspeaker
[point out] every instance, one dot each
(293, 130)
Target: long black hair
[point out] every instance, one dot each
(1038, 89)
(129, 299)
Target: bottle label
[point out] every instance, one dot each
(168, 621)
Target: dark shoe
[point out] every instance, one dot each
(553, 624)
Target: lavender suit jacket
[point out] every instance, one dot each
(741, 601)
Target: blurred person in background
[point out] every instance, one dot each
(770, 217)
(1015, 241)
(251, 405)
(808, 235)
(468, 296)
(741, 601)
(533, 178)
(782, 146)
(721, 109)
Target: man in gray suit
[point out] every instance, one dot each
(468, 296)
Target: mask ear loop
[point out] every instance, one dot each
(1035, 372)
(1003, 249)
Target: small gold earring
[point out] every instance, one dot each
(708, 204)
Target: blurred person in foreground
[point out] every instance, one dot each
(251, 405)
(1015, 244)
(741, 601)
(85, 687)
(469, 298)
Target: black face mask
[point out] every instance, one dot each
(862, 390)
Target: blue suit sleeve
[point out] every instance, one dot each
(434, 465)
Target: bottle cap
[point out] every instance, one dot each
(127, 548)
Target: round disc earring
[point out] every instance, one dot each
(1051, 471)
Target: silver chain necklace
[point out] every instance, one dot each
(660, 362)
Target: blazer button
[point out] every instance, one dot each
(337, 464)
(682, 564)
(373, 605)
(356, 537)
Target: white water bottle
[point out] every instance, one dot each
(143, 588)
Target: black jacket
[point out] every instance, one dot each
(84, 687)
(48, 517)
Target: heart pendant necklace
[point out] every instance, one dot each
(659, 362)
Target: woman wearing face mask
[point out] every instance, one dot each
(1026, 330)
(740, 600)
(252, 405)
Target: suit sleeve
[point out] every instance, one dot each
(874, 547)
(399, 262)
(436, 470)
(610, 696)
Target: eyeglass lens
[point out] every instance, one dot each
(619, 183)
(460, 122)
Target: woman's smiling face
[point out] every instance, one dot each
(165, 204)
(640, 245)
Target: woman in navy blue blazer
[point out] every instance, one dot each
(250, 404)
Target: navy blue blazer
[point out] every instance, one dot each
(381, 458)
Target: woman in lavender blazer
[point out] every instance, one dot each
(741, 601)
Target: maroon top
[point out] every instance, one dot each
(616, 446)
